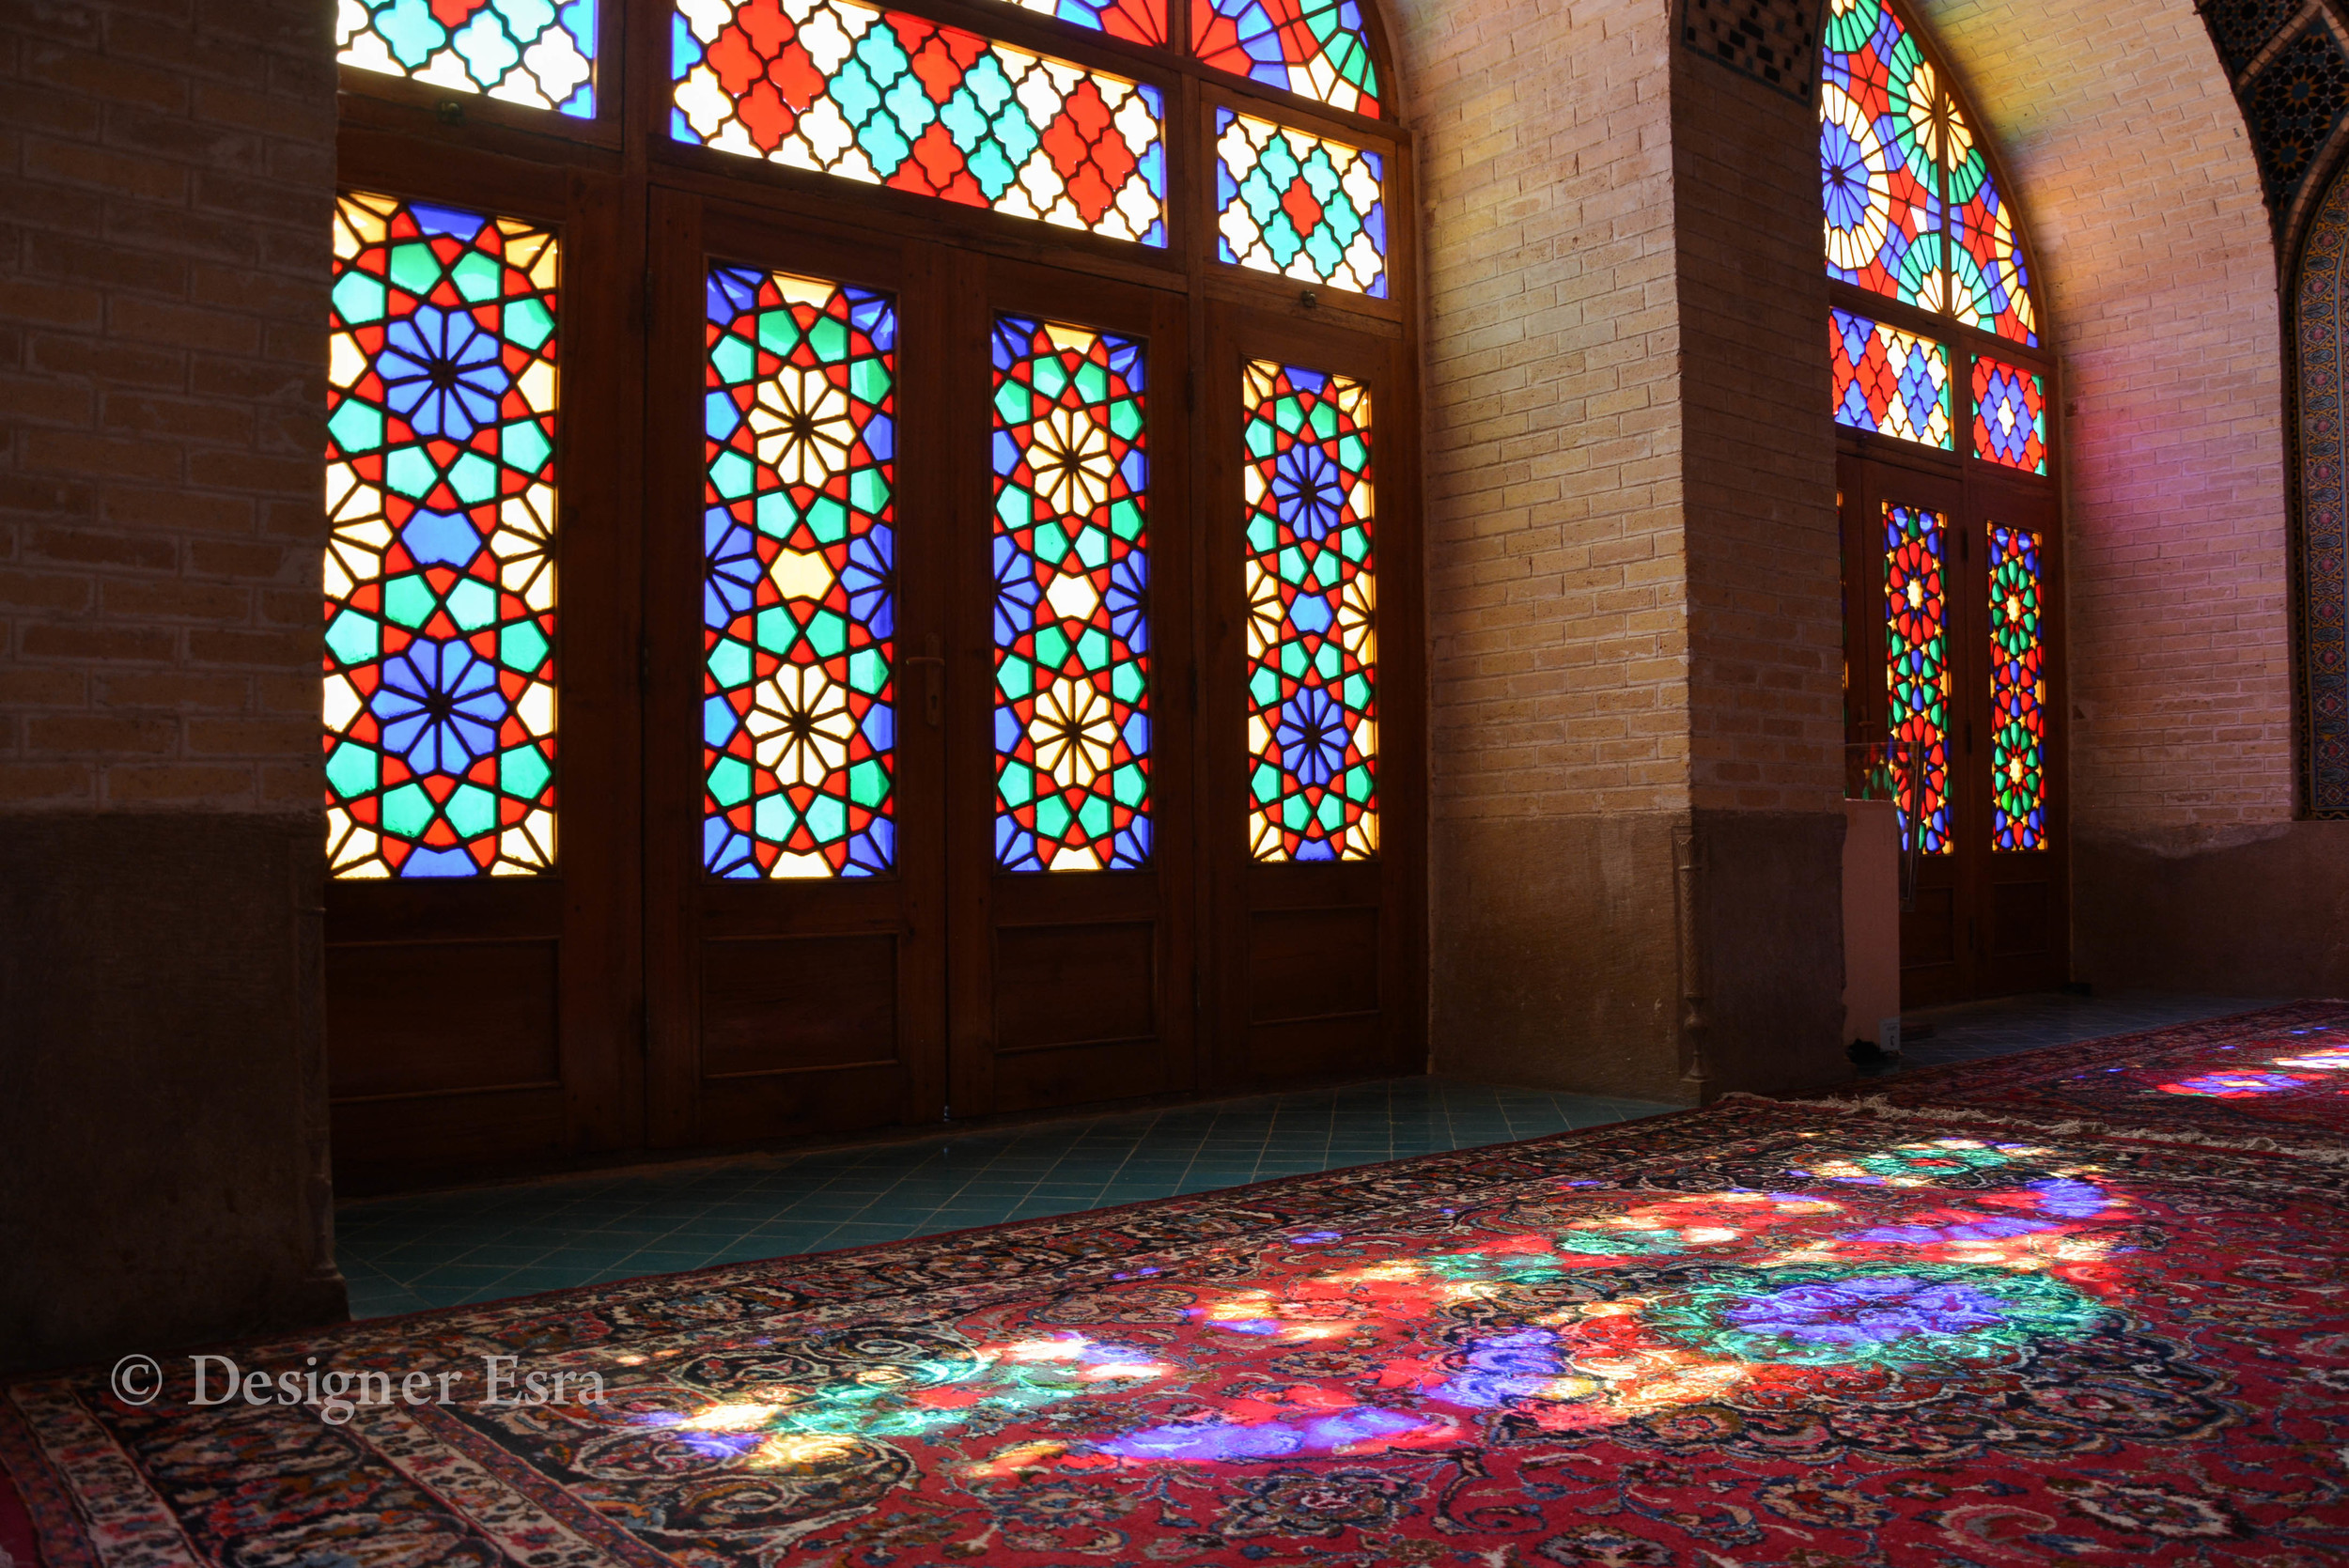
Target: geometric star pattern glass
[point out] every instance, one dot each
(2018, 694)
(1300, 205)
(440, 576)
(1312, 722)
(1072, 622)
(798, 711)
(1917, 666)
(1890, 382)
(1136, 21)
(1990, 285)
(1315, 49)
(885, 98)
(538, 53)
(2010, 416)
(1878, 136)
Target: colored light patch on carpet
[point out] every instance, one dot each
(1674, 1343)
(2276, 1072)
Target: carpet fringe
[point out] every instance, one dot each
(1878, 1105)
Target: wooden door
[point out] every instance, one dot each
(2018, 834)
(482, 566)
(794, 666)
(1952, 596)
(1906, 558)
(1312, 836)
(1072, 688)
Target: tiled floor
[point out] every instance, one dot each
(1975, 1029)
(437, 1249)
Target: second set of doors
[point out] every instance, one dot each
(968, 737)
(1953, 595)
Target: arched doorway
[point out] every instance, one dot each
(1952, 536)
(874, 569)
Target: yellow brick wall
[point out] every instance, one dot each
(1556, 586)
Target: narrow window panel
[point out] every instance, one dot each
(439, 680)
(2010, 415)
(1313, 648)
(1990, 285)
(1135, 20)
(1316, 49)
(1300, 205)
(1879, 139)
(2018, 693)
(799, 590)
(1890, 382)
(885, 97)
(537, 53)
(1072, 604)
(1917, 666)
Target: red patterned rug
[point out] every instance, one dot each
(1758, 1335)
(2281, 1074)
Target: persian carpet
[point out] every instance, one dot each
(2281, 1073)
(1756, 1335)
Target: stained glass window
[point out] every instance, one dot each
(1298, 205)
(2010, 415)
(440, 577)
(1316, 49)
(541, 52)
(1990, 285)
(2018, 694)
(1139, 21)
(1890, 382)
(1072, 621)
(798, 730)
(1878, 145)
(1916, 667)
(885, 97)
(1312, 660)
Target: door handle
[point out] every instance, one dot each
(934, 686)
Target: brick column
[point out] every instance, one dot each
(164, 232)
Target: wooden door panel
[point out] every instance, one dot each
(802, 1002)
(394, 1038)
(479, 1025)
(1318, 962)
(1068, 986)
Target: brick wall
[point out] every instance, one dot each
(1555, 586)
(165, 188)
(2138, 183)
(1765, 572)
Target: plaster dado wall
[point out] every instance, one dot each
(1630, 554)
(2136, 175)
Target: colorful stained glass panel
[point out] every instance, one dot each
(885, 98)
(1990, 285)
(2010, 415)
(798, 709)
(1300, 205)
(2018, 694)
(440, 578)
(538, 53)
(1917, 668)
(1137, 21)
(1072, 604)
(1312, 659)
(1315, 49)
(1890, 382)
(1879, 140)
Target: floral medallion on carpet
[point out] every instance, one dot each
(1762, 1334)
(2281, 1073)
